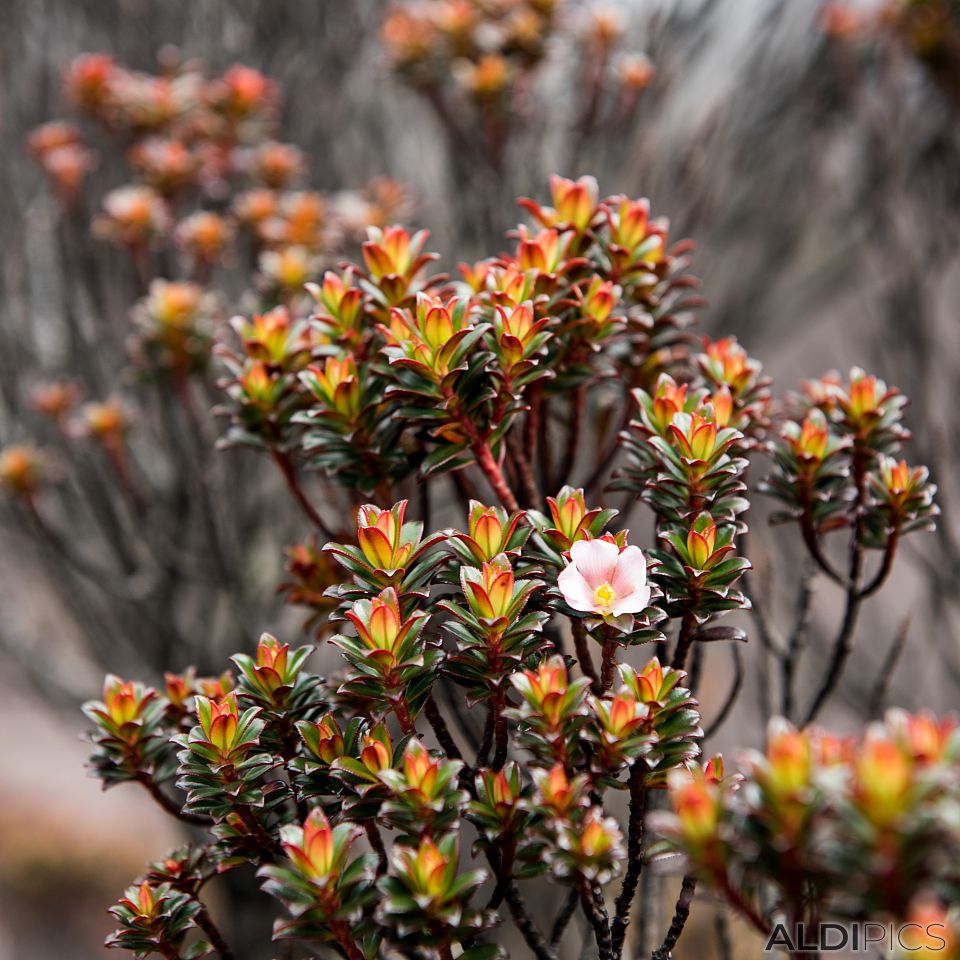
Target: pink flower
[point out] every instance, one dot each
(603, 579)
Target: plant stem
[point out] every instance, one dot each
(573, 438)
(790, 656)
(564, 916)
(812, 542)
(533, 937)
(684, 641)
(500, 730)
(856, 594)
(167, 803)
(742, 906)
(487, 740)
(731, 699)
(631, 879)
(596, 914)
(403, 716)
(341, 931)
(255, 827)
(721, 926)
(440, 729)
(206, 924)
(289, 472)
(885, 675)
(842, 646)
(581, 644)
(608, 669)
(524, 470)
(886, 565)
(505, 874)
(376, 842)
(168, 950)
(493, 473)
(687, 891)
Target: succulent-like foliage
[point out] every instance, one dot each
(220, 768)
(864, 826)
(154, 919)
(323, 887)
(509, 676)
(131, 736)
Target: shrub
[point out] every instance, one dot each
(491, 705)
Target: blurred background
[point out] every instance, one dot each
(810, 150)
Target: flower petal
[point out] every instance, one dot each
(631, 571)
(596, 560)
(575, 589)
(634, 602)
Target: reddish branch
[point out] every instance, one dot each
(608, 667)
(206, 924)
(524, 468)
(493, 473)
(403, 716)
(169, 805)
(289, 472)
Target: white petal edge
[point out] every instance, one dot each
(631, 571)
(634, 602)
(596, 560)
(575, 589)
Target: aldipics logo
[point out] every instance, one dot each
(897, 938)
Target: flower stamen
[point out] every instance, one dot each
(604, 596)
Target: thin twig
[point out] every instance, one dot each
(486, 743)
(886, 565)
(376, 843)
(843, 644)
(732, 696)
(289, 473)
(528, 929)
(721, 927)
(842, 647)
(631, 878)
(562, 919)
(501, 731)
(688, 890)
(440, 729)
(684, 641)
(882, 684)
(596, 913)
(491, 470)
(695, 672)
(565, 471)
(581, 644)
(528, 481)
(169, 805)
(206, 924)
(795, 643)
(742, 905)
(812, 542)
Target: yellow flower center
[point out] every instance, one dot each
(604, 596)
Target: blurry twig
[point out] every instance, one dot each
(688, 890)
(884, 678)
